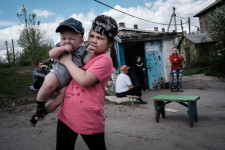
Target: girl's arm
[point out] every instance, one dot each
(53, 104)
(143, 66)
(57, 51)
(173, 60)
(82, 77)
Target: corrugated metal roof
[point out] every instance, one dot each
(199, 38)
(138, 30)
(140, 35)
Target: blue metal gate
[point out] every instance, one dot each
(154, 63)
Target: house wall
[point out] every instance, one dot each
(192, 49)
(167, 46)
(111, 85)
(203, 20)
(182, 49)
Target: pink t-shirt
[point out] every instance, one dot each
(83, 107)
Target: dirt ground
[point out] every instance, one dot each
(133, 129)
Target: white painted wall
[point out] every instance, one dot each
(167, 46)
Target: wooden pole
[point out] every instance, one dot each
(14, 57)
(7, 51)
(181, 27)
(174, 16)
(189, 24)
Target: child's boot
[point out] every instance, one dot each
(33, 121)
(39, 114)
(40, 111)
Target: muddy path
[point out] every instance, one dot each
(133, 129)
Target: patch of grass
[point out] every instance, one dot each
(215, 74)
(14, 85)
(192, 71)
(208, 72)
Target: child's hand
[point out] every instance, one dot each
(91, 51)
(53, 94)
(64, 58)
(68, 48)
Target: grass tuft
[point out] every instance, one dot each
(14, 85)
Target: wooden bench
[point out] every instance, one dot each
(190, 102)
(119, 100)
(132, 99)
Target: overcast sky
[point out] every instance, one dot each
(51, 12)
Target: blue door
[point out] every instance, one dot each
(120, 54)
(154, 63)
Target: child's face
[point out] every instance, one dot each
(68, 37)
(40, 66)
(139, 59)
(98, 41)
(174, 50)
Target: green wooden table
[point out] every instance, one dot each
(190, 102)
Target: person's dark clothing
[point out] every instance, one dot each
(122, 87)
(66, 139)
(134, 91)
(39, 76)
(38, 83)
(176, 70)
(176, 61)
(139, 68)
(140, 74)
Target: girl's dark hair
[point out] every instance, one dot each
(137, 57)
(113, 55)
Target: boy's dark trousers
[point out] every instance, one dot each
(37, 84)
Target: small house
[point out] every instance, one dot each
(204, 14)
(154, 47)
(195, 47)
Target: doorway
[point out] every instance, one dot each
(131, 50)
